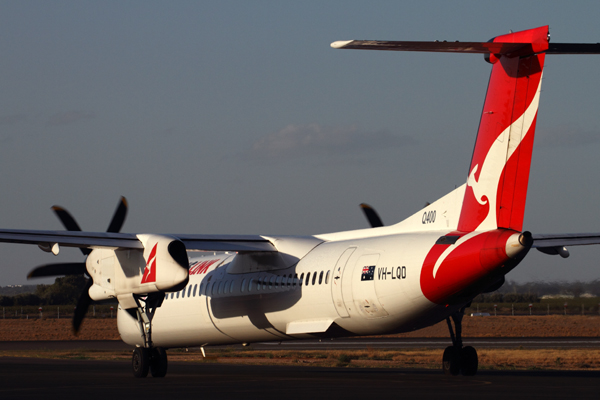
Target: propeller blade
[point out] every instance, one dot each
(57, 269)
(67, 219)
(69, 223)
(371, 215)
(82, 306)
(119, 217)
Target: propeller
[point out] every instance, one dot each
(55, 269)
(371, 215)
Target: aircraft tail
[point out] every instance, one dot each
(496, 187)
(499, 173)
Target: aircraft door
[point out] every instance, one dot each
(363, 287)
(341, 278)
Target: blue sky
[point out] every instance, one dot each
(237, 117)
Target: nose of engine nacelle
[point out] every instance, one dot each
(167, 266)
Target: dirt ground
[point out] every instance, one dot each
(501, 326)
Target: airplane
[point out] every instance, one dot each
(186, 290)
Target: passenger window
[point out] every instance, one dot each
(272, 282)
(212, 288)
(314, 278)
(327, 278)
(177, 294)
(194, 292)
(301, 280)
(201, 288)
(321, 277)
(227, 287)
(189, 291)
(250, 284)
(220, 290)
(307, 279)
(295, 279)
(242, 286)
(264, 282)
(172, 294)
(279, 278)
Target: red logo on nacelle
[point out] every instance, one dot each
(150, 271)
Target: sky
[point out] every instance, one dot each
(237, 117)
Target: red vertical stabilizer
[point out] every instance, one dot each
(499, 172)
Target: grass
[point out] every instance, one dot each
(489, 359)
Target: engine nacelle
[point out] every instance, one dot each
(162, 266)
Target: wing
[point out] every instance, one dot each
(47, 239)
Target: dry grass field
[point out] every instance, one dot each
(501, 326)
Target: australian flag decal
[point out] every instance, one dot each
(368, 273)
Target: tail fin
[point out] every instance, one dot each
(499, 172)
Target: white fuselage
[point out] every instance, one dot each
(339, 288)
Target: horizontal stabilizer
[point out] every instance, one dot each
(443, 47)
(565, 239)
(508, 49)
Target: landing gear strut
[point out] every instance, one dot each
(148, 358)
(458, 359)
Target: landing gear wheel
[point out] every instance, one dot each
(158, 362)
(140, 362)
(468, 361)
(451, 361)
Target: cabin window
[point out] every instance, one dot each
(321, 277)
(250, 284)
(172, 294)
(295, 279)
(279, 278)
(327, 278)
(220, 290)
(177, 294)
(212, 288)
(189, 291)
(272, 282)
(307, 279)
(201, 288)
(194, 292)
(314, 278)
(242, 285)
(264, 282)
(301, 280)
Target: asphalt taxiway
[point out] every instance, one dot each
(327, 344)
(29, 378)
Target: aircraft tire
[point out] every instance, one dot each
(451, 361)
(158, 362)
(140, 362)
(468, 361)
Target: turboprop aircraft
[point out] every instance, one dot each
(200, 290)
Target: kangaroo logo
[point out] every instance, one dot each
(150, 271)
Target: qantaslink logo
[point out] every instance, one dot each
(150, 271)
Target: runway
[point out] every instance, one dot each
(28, 378)
(337, 344)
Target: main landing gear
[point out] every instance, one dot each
(148, 358)
(458, 359)
(152, 359)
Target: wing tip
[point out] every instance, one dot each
(340, 44)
